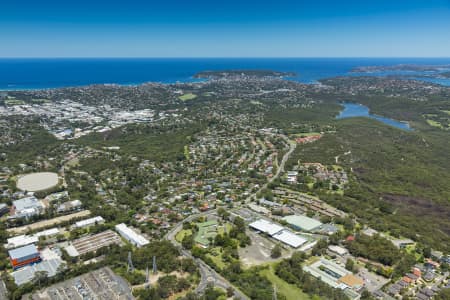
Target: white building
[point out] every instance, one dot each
(289, 238)
(131, 236)
(266, 227)
(89, 222)
(23, 240)
(259, 209)
(27, 207)
(338, 250)
(20, 241)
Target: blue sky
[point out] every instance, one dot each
(225, 28)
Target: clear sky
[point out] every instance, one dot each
(225, 28)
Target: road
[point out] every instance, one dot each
(208, 275)
(292, 146)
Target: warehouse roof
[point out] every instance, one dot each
(48, 232)
(26, 274)
(23, 251)
(338, 250)
(27, 203)
(131, 234)
(21, 240)
(89, 221)
(266, 226)
(302, 222)
(289, 238)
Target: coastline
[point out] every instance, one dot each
(48, 73)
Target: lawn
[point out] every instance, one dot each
(187, 97)
(12, 102)
(305, 134)
(290, 291)
(222, 229)
(180, 235)
(434, 123)
(216, 257)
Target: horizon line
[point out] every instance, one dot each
(224, 57)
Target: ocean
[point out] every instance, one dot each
(21, 74)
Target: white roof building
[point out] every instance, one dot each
(27, 207)
(23, 240)
(266, 227)
(259, 209)
(48, 232)
(338, 250)
(20, 240)
(26, 274)
(89, 222)
(289, 238)
(131, 236)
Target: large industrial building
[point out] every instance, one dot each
(336, 277)
(289, 238)
(93, 242)
(24, 256)
(131, 236)
(23, 240)
(27, 207)
(278, 232)
(69, 206)
(27, 273)
(266, 227)
(302, 223)
(89, 222)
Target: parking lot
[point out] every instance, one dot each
(260, 249)
(101, 284)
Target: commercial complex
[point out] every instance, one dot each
(24, 256)
(302, 223)
(92, 243)
(69, 206)
(289, 238)
(27, 207)
(23, 240)
(278, 232)
(266, 227)
(131, 236)
(27, 273)
(89, 222)
(336, 277)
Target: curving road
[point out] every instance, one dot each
(208, 275)
(292, 146)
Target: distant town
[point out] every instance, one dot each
(242, 186)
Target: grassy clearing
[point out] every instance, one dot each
(12, 102)
(305, 134)
(186, 152)
(216, 257)
(290, 291)
(180, 235)
(188, 96)
(434, 123)
(223, 229)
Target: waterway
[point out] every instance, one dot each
(352, 110)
